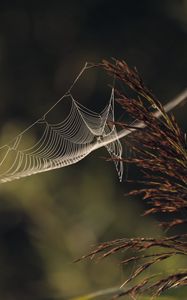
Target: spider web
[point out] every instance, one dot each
(69, 141)
(64, 143)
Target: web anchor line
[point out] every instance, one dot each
(65, 143)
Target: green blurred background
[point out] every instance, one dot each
(50, 219)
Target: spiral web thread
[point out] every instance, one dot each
(62, 144)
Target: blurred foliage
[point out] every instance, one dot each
(50, 219)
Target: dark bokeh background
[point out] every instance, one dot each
(48, 220)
